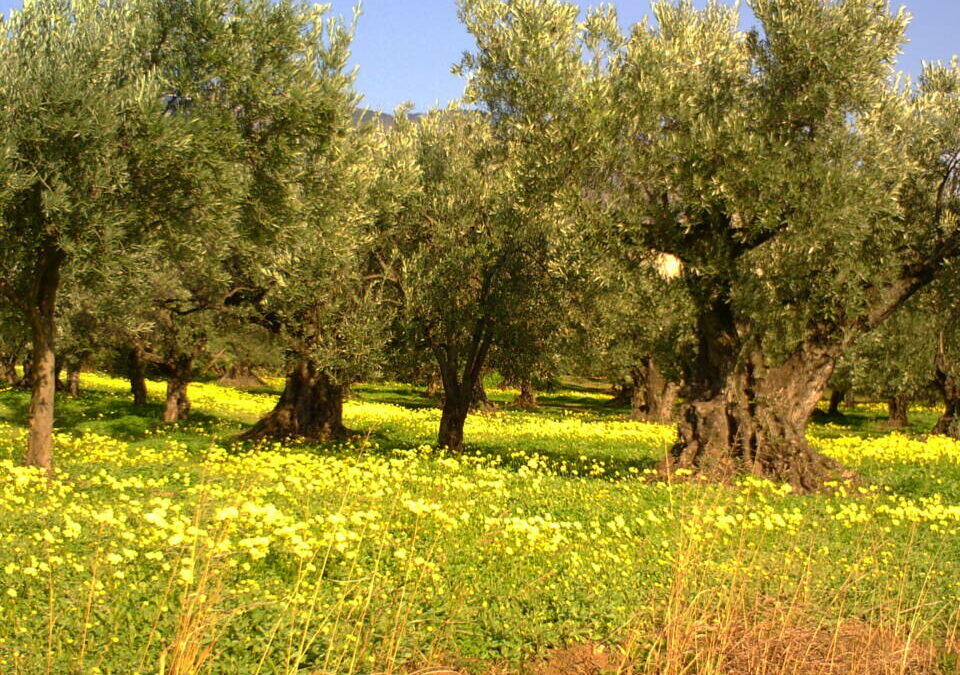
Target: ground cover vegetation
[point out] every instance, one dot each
(720, 226)
(172, 546)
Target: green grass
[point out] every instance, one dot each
(383, 554)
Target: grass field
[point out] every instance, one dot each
(549, 547)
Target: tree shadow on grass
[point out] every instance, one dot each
(589, 463)
(870, 424)
(115, 415)
(553, 404)
(105, 413)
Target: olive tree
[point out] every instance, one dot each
(477, 271)
(895, 362)
(806, 191)
(321, 293)
(73, 92)
(807, 194)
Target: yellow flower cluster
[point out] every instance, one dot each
(551, 524)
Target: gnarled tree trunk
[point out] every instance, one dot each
(179, 374)
(310, 407)
(41, 309)
(897, 407)
(654, 397)
(949, 387)
(8, 369)
(745, 417)
(527, 400)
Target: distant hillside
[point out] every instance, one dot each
(386, 120)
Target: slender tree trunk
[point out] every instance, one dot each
(837, 396)
(897, 407)
(527, 400)
(136, 373)
(43, 362)
(747, 417)
(27, 381)
(57, 373)
(179, 374)
(310, 407)
(949, 387)
(73, 379)
(654, 397)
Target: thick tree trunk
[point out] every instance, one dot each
(949, 422)
(897, 407)
(949, 387)
(745, 417)
(43, 362)
(527, 400)
(136, 373)
(452, 420)
(654, 397)
(179, 373)
(310, 407)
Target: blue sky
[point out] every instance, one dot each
(404, 48)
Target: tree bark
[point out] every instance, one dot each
(310, 407)
(897, 408)
(434, 388)
(8, 369)
(136, 373)
(949, 387)
(179, 373)
(527, 400)
(479, 402)
(241, 376)
(41, 314)
(27, 381)
(654, 397)
(745, 417)
(460, 387)
(453, 418)
(837, 396)
(57, 372)
(73, 379)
